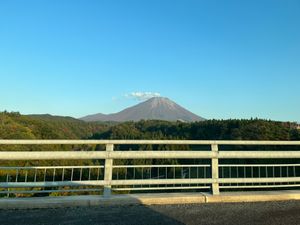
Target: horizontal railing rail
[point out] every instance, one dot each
(143, 142)
(10, 155)
(104, 175)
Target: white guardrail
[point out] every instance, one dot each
(207, 170)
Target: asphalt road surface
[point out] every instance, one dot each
(265, 213)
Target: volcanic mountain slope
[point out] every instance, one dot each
(157, 108)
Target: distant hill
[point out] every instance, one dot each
(16, 126)
(157, 108)
(49, 117)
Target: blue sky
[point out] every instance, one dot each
(220, 59)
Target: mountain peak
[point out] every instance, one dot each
(156, 108)
(160, 101)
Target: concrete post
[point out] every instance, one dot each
(215, 171)
(108, 170)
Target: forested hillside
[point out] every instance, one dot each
(16, 126)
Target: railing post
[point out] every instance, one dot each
(108, 170)
(215, 170)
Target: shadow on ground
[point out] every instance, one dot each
(135, 214)
(264, 213)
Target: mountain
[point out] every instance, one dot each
(49, 117)
(157, 108)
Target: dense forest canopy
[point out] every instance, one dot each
(254, 129)
(16, 126)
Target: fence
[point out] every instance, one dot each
(203, 165)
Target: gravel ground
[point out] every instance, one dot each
(274, 213)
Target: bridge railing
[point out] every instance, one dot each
(206, 165)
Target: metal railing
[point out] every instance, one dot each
(212, 169)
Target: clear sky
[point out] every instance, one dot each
(220, 59)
